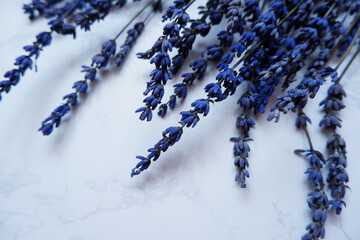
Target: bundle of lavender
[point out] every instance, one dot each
(264, 45)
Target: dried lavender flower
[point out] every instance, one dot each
(99, 61)
(101, 9)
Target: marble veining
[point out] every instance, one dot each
(76, 185)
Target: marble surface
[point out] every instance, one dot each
(76, 185)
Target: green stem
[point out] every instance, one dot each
(70, 10)
(330, 9)
(306, 132)
(189, 4)
(348, 49)
(348, 64)
(357, 17)
(133, 19)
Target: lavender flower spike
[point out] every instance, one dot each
(99, 10)
(99, 61)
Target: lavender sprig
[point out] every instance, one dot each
(161, 60)
(227, 82)
(165, 67)
(244, 122)
(99, 10)
(38, 8)
(241, 151)
(337, 178)
(257, 95)
(185, 42)
(25, 62)
(297, 97)
(99, 61)
(318, 201)
(173, 134)
(212, 53)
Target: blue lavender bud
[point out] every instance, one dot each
(215, 17)
(55, 119)
(180, 90)
(245, 102)
(13, 76)
(38, 8)
(252, 9)
(326, 71)
(100, 60)
(145, 113)
(199, 66)
(319, 23)
(225, 61)
(238, 49)
(46, 129)
(200, 27)
(336, 142)
(189, 118)
(80, 86)
(279, 8)
(173, 134)
(337, 205)
(44, 38)
(318, 200)
(234, 16)
(161, 60)
(24, 62)
(33, 50)
(201, 106)
(214, 91)
(68, 29)
(241, 151)
(243, 121)
(71, 98)
(226, 39)
(171, 30)
(5, 86)
(212, 53)
(56, 25)
(330, 121)
(141, 166)
(315, 176)
(86, 18)
(316, 159)
(108, 48)
(162, 110)
(90, 72)
(301, 120)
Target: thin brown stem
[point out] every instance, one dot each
(348, 64)
(348, 49)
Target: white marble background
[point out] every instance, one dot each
(76, 185)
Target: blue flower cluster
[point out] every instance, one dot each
(173, 134)
(213, 52)
(99, 9)
(265, 46)
(337, 177)
(170, 136)
(99, 61)
(241, 152)
(318, 200)
(175, 35)
(273, 47)
(39, 8)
